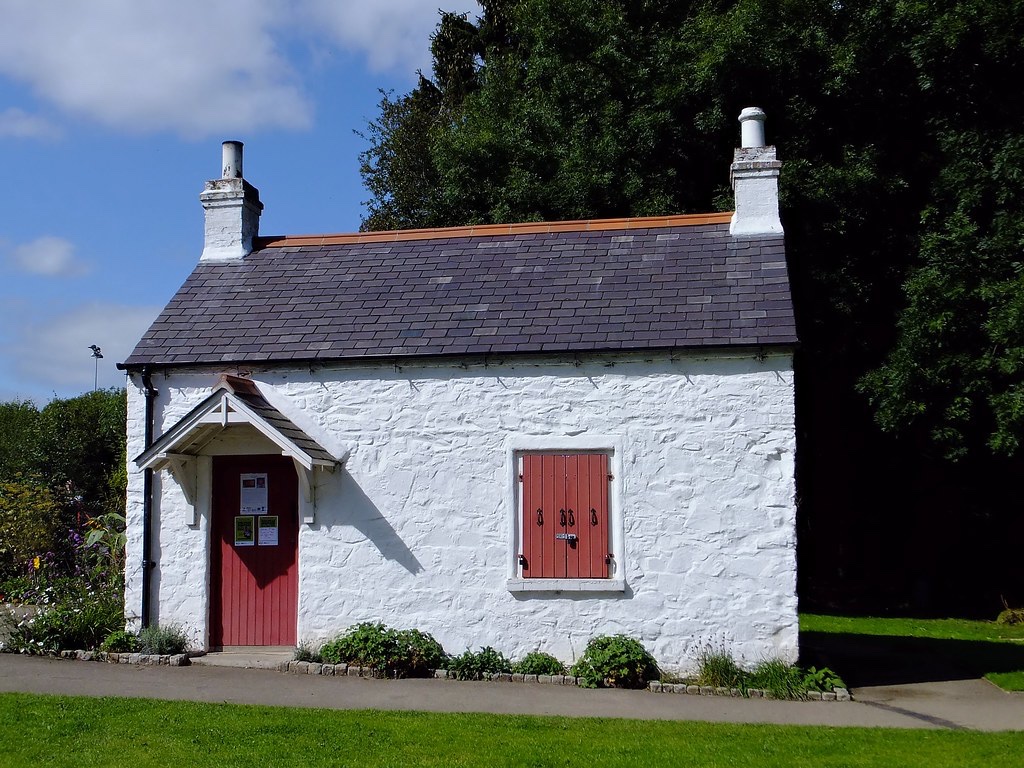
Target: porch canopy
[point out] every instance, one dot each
(234, 401)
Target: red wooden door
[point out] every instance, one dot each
(254, 585)
(565, 516)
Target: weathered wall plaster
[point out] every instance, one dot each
(415, 530)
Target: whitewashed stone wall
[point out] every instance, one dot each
(415, 530)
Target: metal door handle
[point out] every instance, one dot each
(593, 516)
(561, 517)
(572, 519)
(540, 517)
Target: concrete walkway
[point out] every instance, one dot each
(968, 704)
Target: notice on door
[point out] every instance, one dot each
(268, 530)
(245, 535)
(254, 494)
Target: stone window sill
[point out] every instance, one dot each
(566, 585)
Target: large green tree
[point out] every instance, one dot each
(900, 134)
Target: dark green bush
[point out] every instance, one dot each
(393, 653)
(617, 661)
(1011, 616)
(16, 589)
(473, 666)
(420, 654)
(163, 640)
(539, 663)
(120, 641)
(30, 524)
(366, 645)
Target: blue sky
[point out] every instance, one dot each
(111, 117)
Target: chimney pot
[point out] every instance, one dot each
(231, 153)
(751, 128)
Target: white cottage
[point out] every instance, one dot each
(520, 435)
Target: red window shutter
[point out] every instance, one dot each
(573, 477)
(538, 520)
(554, 497)
(565, 495)
(595, 546)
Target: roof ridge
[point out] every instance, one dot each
(493, 230)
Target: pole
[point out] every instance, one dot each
(97, 353)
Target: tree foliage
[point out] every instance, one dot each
(29, 520)
(900, 189)
(60, 466)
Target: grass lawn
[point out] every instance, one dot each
(936, 629)
(975, 641)
(82, 732)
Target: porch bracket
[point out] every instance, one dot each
(183, 469)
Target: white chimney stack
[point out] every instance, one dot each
(232, 208)
(755, 180)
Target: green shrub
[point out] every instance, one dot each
(473, 666)
(419, 653)
(823, 679)
(1011, 616)
(617, 661)
(120, 641)
(393, 653)
(539, 663)
(306, 651)
(718, 669)
(163, 640)
(78, 623)
(366, 645)
(777, 678)
(16, 589)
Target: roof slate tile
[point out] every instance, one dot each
(564, 290)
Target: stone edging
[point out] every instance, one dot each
(346, 670)
(837, 694)
(165, 660)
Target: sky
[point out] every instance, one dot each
(112, 114)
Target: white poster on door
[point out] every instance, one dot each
(254, 493)
(268, 536)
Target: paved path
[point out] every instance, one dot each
(971, 704)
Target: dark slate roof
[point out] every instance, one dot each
(639, 284)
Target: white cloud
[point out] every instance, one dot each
(55, 352)
(19, 124)
(198, 67)
(394, 35)
(48, 255)
(192, 66)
